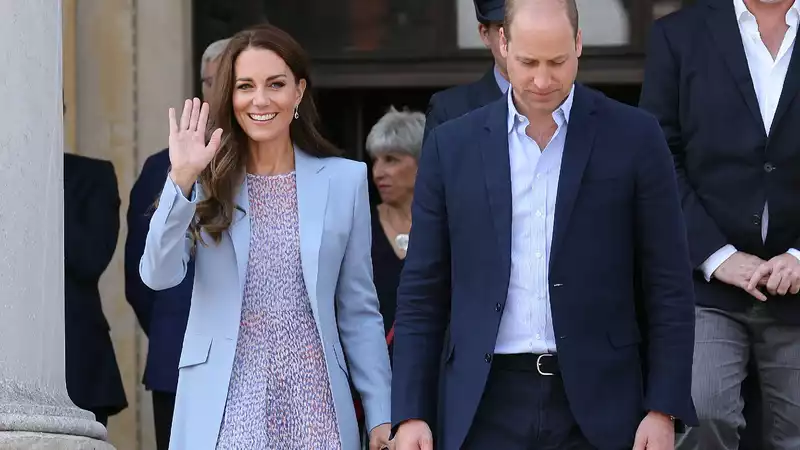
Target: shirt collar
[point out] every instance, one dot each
(792, 16)
(502, 83)
(560, 115)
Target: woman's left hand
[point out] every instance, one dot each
(379, 437)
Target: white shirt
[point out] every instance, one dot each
(526, 325)
(768, 76)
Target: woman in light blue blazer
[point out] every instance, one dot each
(284, 312)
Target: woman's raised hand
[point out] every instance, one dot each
(188, 152)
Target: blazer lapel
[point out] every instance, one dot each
(724, 27)
(790, 86)
(240, 232)
(312, 200)
(577, 149)
(497, 175)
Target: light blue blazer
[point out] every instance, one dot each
(335, 249)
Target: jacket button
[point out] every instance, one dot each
(757, 220)
(769, 167)
(487, 357)
(498, 307)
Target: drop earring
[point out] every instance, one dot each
(296, 114)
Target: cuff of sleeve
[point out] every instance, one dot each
(192, 196)
(794, 252)
(713, 262)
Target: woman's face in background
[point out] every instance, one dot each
(265, 93)
(394, 173)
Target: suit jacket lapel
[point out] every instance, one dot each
(240, 232)
(724, 27)
(790, 86)
(312, 200)
(497, 175)
(581, 130)
(485, 91)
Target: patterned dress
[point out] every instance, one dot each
(279, 396)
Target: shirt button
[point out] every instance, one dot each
(768, 167)
(538, 214)
(487, 357)
(538, 337)
(538, 254)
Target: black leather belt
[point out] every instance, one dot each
(545, 364)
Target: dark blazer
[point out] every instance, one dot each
(91, 229)
(617, 218)
(459, 100)
(697, 83)
(161, 314)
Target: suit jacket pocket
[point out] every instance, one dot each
(195, 351)
(621, 337)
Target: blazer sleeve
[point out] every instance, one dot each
(423, 297)
(666, 280)
(167, 246)
(660, 96)
(142, 203)
(91, 228)
(358, 315)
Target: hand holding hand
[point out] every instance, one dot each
(379, 437)
(413, 435)
(188, 152)
(782, 274)
(738, 270)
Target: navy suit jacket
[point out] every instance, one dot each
(161, 314)
(91, 230)
(459, 100)
(618, 229)
(697, 83)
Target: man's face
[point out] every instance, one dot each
(541, 54)
(490, 35)
(208, 78)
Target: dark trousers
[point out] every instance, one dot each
(523, 410)
(163, 408)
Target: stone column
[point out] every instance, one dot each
(35, 410)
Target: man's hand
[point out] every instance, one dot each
(379, 437)
(783, 272)
(739, 270)
(656, 432)
(413, 435)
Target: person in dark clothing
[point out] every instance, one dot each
(459, 100)
(91, 228)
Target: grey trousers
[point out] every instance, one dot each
(724, 342)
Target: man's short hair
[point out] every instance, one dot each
(212, 52)
(570, 6)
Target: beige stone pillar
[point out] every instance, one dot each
(35, 410)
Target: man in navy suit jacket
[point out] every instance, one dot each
(723, 80)
(536, 221)
(459, 100)
(161, 314)
(91, 230)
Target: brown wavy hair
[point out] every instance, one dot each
(223, 176)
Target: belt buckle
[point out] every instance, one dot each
(539, 365)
